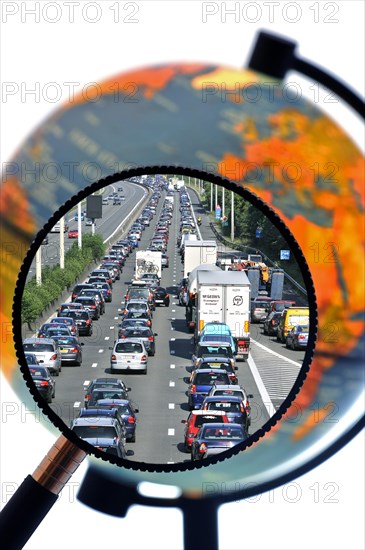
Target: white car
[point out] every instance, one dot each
(46, 351)
(129, 355)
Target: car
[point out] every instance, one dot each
(105, 392)
(222, 365)
(280, 305)
(97, 295)
(164, 260)
(147, 279)
(161, 296)
(141, 293)
(140, 333)
(232, 406)
(129, 355)
(43, 329)
(57, 330)
(260, 307)
(195, 421)
(69, 306)
(88, 222)
(115, 266)
(200, 385)
(120, 188)
(105, 273)
(77, 289)
(297, 337)
(45, 240)
(46, 351)
(70, 349)
(117, 200)
(91, 305)
(73, 234)
(98, 427)
(219, 339)
(215, 438)
(133, 323)
(136, 305)
(217, 329)
(66, 321)
(43, 381)
(234, 391)
(133, 314)
(127, 412)
(271, 323)
(82, 320)
(101, 412)
(82, 217)
(105, 384)
(103, 286)
(105, 201)
(214, 352)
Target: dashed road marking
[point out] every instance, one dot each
(77, 404)
(94, 365)
(100, 351)
(172, 384)
(111, 328)
(172, 366)
(87, 382)
(171, 405)
(106, 338)
(172, 339)
(171, 431)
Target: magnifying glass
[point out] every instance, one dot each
(236, 141)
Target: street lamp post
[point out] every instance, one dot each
(232, 216)
(62, 243)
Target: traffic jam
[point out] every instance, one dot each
(205, 296)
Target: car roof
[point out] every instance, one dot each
(39, 341)
(213, 371)
(126, 340)
(212, 398)
(207, 413)
(113, 402)
(82, 421)
(224, 425)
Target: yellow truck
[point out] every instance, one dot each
(289, 318)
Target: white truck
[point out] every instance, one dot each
(198, 253)
(224, 297)
(148, 261)
(180, 184)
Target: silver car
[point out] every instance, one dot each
(129, 355)
(46, 351)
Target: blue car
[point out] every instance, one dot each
(217, 332)
(232, 406)
(201, 383)
(133, 240)
(297, 337)
(126, 411)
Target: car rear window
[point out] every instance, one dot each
(232, 393)
(226, 406)
(64, 341)
(208, 379)
(205, 419)
(88, 301)
(128, 347)
(95, 431)
(222, 433)
(137, 307)
(38, 347)
(215, 350)
(78, 314)
(113, 393)
(38, 372)
(137, 333)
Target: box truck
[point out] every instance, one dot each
(198, 253)
(224, 297)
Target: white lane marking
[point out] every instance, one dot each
(87, 382)
(77, 404)
(172, 384)
(106, 338)
(260, 386)
(111, 328)
(173, 318)
(172, 366)
(170, 462)
(172, 328)
(94, 365)
(172, 339)
(173, 310)
(171, 405)
(100, 351)
(275, 353)
(115, 318)
(171, 431)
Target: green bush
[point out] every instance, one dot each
(55, 280)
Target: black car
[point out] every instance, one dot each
(43, 381)
(77, 289)
(70, 349)
(91, 305)
(271, 323)
(82, 319)
(161, 296)
(126, 411)
(105, 392)
(97, 294)
(31, 359)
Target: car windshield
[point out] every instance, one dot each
(62, 341)
(39, 347)
(281, 307)
(208, 379)
(86, 432)
(226, 406)
(232, 393)
(128, 347)
(222, 433)
(137, 307)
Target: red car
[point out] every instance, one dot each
(195, 421)
(73, 234)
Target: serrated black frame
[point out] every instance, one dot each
(313, 323)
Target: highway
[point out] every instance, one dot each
(161, 395)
